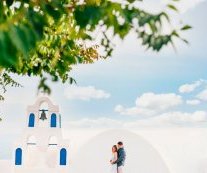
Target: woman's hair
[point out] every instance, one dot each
(114, 146)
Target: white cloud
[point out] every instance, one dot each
(193, 102)
(188, 88)
(95, 123)
(85, 93)
(158, 101)
(150, 104)
(119, 108)
(134, 111)
(202, 95)
(161, 109)
(175, 118)
(170, 119)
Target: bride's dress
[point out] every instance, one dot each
(113, 166)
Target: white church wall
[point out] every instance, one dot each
(41, 142)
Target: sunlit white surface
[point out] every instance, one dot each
(183, 150)
(179, 150)
(94, 156)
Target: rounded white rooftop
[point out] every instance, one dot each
(94, 156)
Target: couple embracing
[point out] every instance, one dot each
(118, 158)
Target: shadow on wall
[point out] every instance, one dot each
(94, 156)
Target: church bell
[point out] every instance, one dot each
(43, 115)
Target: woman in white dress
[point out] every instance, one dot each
(113, 159)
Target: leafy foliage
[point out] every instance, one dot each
(41, 38)
(6, 80)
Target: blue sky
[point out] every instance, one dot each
(132, 71)
(127, 77)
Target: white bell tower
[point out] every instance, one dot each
(41, 148)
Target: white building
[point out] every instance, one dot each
(41, 148)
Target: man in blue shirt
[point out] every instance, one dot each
(121, 157)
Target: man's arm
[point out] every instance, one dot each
(120, 158)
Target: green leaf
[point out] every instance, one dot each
(1, 11)
(9, 2)
(131, 1)
(123, 30)
(172, 7)
(8, 56)
(186, 27)
(37, 21)
(18, 38)
(145, 19)
(1, 99)
(146, 39)
(54, 39)
(186, 41)
(174, 33)
(88, 15)
(93, 2)
(158, 44)
(43, 87)
(166, 16)
(72, 80)
(52, 11)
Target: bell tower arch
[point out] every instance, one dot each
(41, 145)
